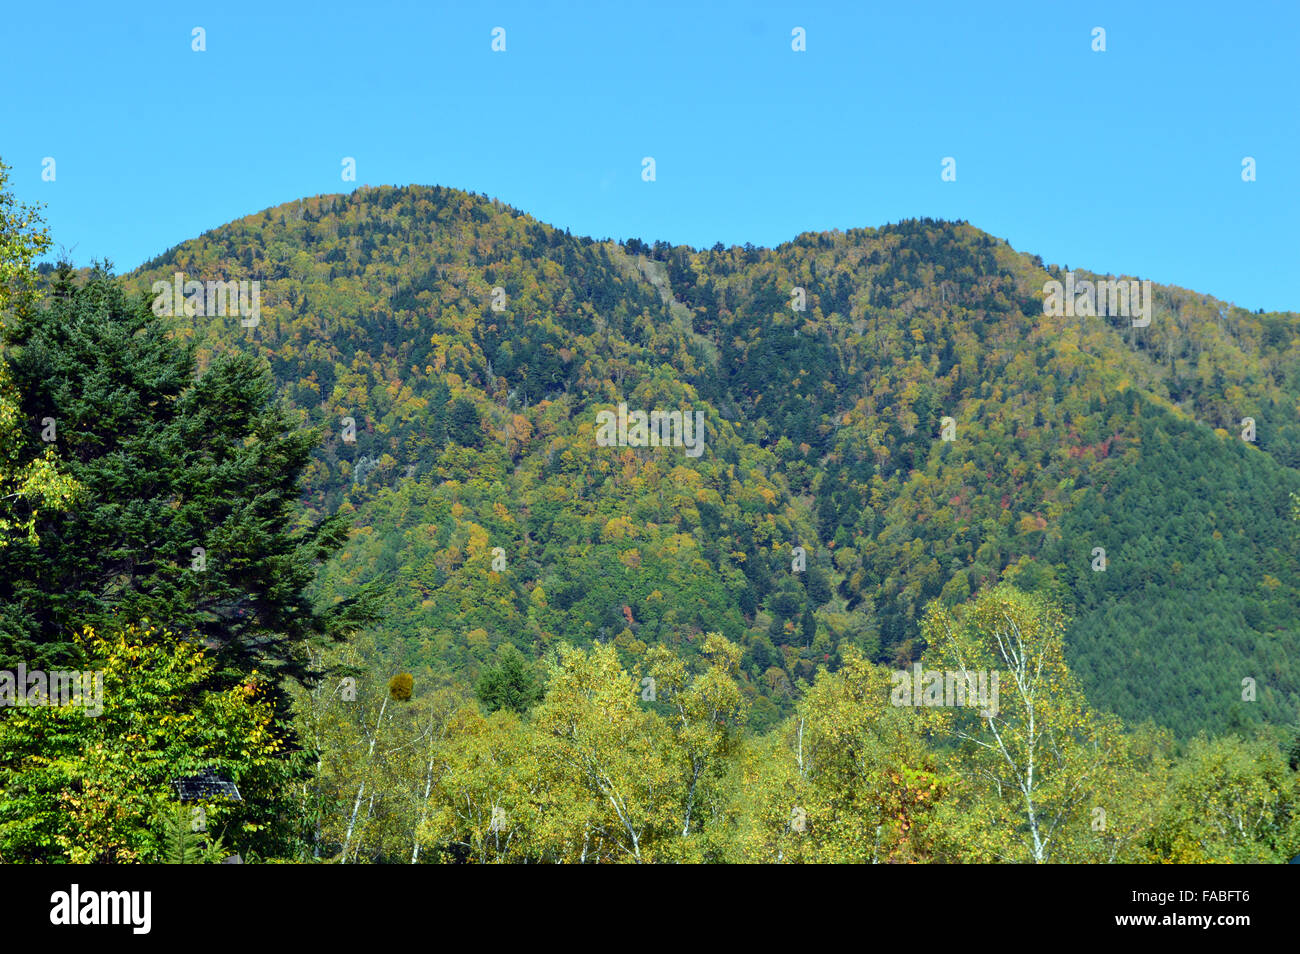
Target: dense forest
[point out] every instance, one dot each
(369, 558)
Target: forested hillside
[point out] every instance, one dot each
(381, 565)
(473, 347)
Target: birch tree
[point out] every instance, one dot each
(594, 730)
(706, 713)
(1034, 761)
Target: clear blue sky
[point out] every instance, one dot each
(1126, 161)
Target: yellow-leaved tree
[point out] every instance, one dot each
(29, 482)
(1042, 777)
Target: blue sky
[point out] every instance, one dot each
(1126, 161)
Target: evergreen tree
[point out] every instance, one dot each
(465, 427)
(509, 685)
(187, 514)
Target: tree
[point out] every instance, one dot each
(40, 483)
(511, 684)
(481, 810)
(26, 489)
(371, 770)
(187, 513)
(1230, 801)
(465, 427)
(611, 758)
(1032, 757)
(92, 787)
(847, 779)
(706, 713)
(23, 237)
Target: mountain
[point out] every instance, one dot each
(475, 351)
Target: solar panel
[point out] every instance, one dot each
(206, 785)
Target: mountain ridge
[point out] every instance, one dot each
(823, 431)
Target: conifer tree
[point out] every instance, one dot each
(187, 515)
(509, 685)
